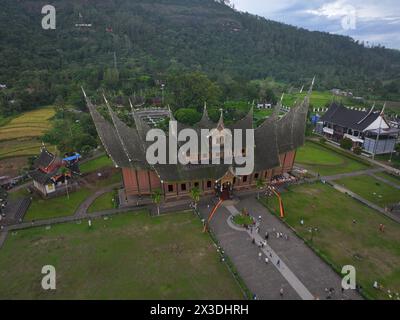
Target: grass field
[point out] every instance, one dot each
(130, 256)
(56, 207)
(372, 190)
(62, 206)
(96, 164)
(389, 177)
(325, 161)
(375, 255)
(21, 135)
(318, 99)
(104, 202)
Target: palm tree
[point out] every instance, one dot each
(156, 196)
(195, 195)
(65, 173)
(260, 184)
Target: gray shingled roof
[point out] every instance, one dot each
(127, 146)
(45, 159)
(357, 120)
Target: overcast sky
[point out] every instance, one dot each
(375, 21)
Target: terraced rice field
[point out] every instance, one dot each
(21, 136)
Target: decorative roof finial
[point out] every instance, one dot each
(312, 86)
(221, 125)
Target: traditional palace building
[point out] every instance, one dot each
(276, 141)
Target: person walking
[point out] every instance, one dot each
(266, 235)
(281, 292)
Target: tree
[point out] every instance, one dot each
(260, 184)
(357, 150)
(195, 195)
(188, 116)
(346, 143)
(156, 197)
(192, 90)
(65, 173)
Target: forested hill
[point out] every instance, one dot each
(155, 37)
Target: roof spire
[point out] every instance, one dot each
(278, 106)
(221, 125)
(383, 109)
(130, 103)
(312, 86)
(205, 112)
(171, 114)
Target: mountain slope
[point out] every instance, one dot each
(157, 36)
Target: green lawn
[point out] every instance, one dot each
(56, 207)
(375, 255)
(395, 161)
(242, 220)
(130, 256)
(96, 164)
(389, 177)
(318, 99)
(326, 161)
(62, 206)
(104, 202)
(372, 190)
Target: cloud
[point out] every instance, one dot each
(375, 22)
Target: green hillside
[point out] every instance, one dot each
(153, 38)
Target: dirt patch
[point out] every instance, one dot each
(12, 166)
(105, 173)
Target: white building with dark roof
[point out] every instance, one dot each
(367, 129)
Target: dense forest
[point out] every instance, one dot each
(131, 46)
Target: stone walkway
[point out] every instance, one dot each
(390, 183)
(84, 206)
(269, 253)
(344, 190)
(351, 174)
(303, 276)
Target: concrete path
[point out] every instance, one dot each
(366, 202)
(3, 237)
(390, 183)
(371, 161)
(351, 174)
(273, 258)
(310, 269)
(303, 275)
(262, 279)
(84, 206)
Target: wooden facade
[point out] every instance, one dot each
(144, 182)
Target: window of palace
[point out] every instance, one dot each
(183, 186)
(196, 184)
(208, 184)
(256, 176)
(244, 178)
(170, 188)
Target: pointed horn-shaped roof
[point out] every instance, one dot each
(171, 114)
(221, 125)
(312, 86)
(369, 113)
(205, 122)
(278, 106)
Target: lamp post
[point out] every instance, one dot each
(312, 231)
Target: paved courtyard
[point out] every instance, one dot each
(301, 273)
